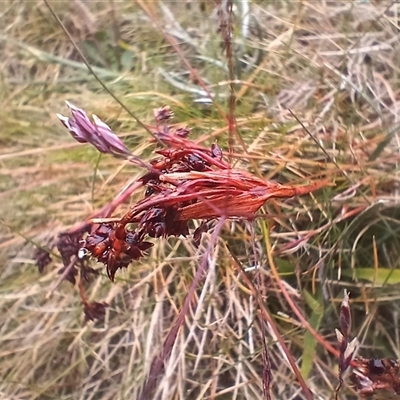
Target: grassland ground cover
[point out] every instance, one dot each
(317, 98)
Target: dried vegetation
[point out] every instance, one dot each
(329, 67)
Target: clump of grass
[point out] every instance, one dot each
(333, 65)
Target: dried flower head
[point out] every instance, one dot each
(184, 182)
(95, 310)
(43, 258)
(376, 378)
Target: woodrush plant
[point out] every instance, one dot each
(185, 182)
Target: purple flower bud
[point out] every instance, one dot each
(347, 348)
(109, 138)
(73, 128)
(99, 134)
(182, 132)
(163, 113)
(216, 151)
(345, 315)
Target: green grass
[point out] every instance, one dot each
(334, 64)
